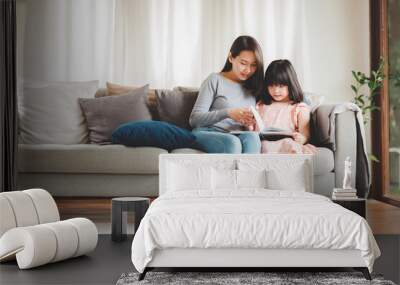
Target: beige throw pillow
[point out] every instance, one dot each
(116, 89)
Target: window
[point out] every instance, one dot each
(394, 98)
(385, 42)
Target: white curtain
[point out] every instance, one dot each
(178, 42)
(65, 40)
(165, 43)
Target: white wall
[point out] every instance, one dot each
(339, 42)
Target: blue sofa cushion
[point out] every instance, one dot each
(153, 133)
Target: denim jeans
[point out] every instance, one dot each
(212, 140)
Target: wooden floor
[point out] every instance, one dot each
(96, 209)
(382, 218)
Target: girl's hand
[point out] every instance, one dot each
(299, 137)
(251, 128)
(242, 115)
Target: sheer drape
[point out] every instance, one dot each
(65, 40)
(179, 42)
(8, 98)
(161, 42)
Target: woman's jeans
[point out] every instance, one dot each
(211, 140)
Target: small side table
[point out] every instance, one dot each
(358, 205)
(119, 218)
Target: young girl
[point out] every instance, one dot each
(281, 106)
(224, 99)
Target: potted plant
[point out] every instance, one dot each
(366, 88)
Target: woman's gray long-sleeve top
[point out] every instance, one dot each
(217, 95)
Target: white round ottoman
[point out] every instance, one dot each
(31, 232)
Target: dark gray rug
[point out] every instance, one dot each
(243, 278)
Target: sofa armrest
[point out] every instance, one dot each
(344, 143)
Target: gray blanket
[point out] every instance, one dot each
(326, 136)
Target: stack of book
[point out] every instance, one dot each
(344, 194)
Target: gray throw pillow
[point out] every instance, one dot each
(103, 115)
(49, 112)
(175, 106)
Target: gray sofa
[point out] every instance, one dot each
(88, 170)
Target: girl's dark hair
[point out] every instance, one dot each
(255, 83)
(281, 72)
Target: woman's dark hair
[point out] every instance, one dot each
(281, 72)
(255, 83)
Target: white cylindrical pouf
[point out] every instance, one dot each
(23, 208)
(45, 205)
(67, 239)
(87, 233)
(41, 244)
(7, 218)
(33, 246)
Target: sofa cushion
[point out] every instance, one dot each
(105, 114)
(153, 133)
(118, 89)
(151, 101)
(49, 112)
(88, 158)
(115, 89)
(324, 161)
(175, 106)
(320, 126)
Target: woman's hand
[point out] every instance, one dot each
(242, 115)
(299, 137)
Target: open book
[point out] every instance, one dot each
(267, 133)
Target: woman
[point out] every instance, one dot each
(224, 100)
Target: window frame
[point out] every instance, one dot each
(380, 119)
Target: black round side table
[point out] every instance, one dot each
(119, 218)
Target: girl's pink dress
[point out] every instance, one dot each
(283, 116)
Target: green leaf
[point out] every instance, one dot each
(373, 158)
(354, 75)
(366, 108)
(354, 89)
(371, 85)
